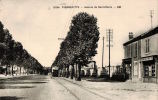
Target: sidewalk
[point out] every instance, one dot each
(126, 86)
(121, 90)
(2, 76)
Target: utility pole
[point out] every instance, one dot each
(109, 53)
(103, 54)
(109, 33)
(151, 16)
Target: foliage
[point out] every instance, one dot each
(80, 43)
(14, 53)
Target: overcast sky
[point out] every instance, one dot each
(38, 25)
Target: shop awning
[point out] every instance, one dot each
(127, 61)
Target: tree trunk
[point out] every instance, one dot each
(76, 72)
(79, 72)
(67, 72)
(64, 71)
(27, 71)
(6, 71)
(20, 70)
(12, 71)
(72, 72)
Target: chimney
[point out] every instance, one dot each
(130, 35)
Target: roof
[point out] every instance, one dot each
(142, 36)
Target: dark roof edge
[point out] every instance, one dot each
(142, 36)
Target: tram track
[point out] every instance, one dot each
(80, 86)
(71, 92)
(90, 90)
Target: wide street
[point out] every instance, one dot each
(38, 87)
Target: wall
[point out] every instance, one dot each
(153, 46)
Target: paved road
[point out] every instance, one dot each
(38, 87)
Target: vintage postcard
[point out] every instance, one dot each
(78, 49)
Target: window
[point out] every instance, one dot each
(149, 70)
(146, 70)
(135, 49)
(153, 70)
(147, 45)
(128, 51)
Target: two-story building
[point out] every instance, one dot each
(141, 56)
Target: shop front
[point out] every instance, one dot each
(127, 66)
(150, 69)
(137, 76)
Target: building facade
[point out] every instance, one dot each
(141, 57)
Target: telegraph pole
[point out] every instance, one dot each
(109, 53)
(103, 54)
(151, 16)
(109, 33)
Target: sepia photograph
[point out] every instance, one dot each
(78, 49)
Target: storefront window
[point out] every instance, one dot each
(153, 70)
(149, 70)
(146, 70)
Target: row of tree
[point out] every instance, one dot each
(12, 53)
(80, 44)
